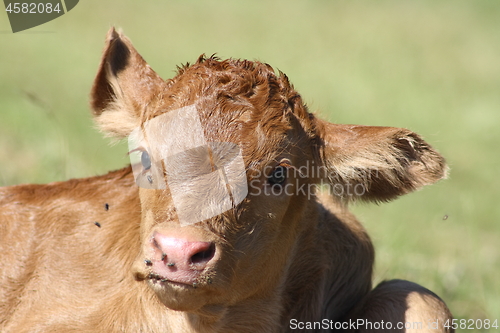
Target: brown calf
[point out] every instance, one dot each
(227, 231)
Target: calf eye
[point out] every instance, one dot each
(278, 176)
(145, 160)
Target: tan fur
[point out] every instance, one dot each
(72, 254)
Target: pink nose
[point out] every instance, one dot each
(180, 260)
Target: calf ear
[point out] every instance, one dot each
(376, 163)
(123, 88)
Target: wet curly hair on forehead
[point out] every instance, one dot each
(237, 98)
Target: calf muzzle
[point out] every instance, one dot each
(179, 260)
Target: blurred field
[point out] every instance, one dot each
(430, 66)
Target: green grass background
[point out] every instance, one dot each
(432, 66)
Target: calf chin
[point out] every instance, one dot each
(180, 297)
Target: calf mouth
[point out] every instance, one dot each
(156, 279)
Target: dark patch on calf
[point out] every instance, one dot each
(97, 224)
(118, 56)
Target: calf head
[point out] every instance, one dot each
(227, 159)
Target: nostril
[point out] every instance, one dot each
(203, 256)
(155, 243)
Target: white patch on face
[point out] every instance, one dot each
(205, 178)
